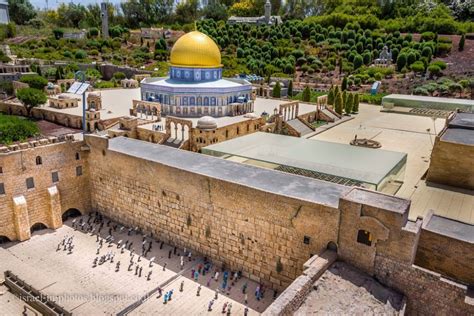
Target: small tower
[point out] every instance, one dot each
(268, 11)
(105, 19)
(94, 101)
(92, 120)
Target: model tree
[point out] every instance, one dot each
(338, 103)
(344, 84)
(31, 98)
(276, 92)
(306, 94)
(348, 104)
(331, 96)
(355, 103)
(290, 89)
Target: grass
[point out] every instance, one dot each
(15, 128)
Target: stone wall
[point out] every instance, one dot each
(449, 256)
(240, 226)
(452, 164)
(427, 292)
(294, 295)
(201, 138)
(21, 208)
(61, 118)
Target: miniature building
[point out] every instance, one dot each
(195, 87)
(267, 19)
(129, 83)
(75, 35)
(140, 77)
(63, 101)
(92, 120)
(127, 127)
(385, 58)
(94, 101)
(52, 89)
(4, 16)
(452, 158)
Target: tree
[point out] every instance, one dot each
(276, 92)
(348, 105)
(35, 81)
(31, 97)
(418, 66)
(21, 11)
(358, 61)
(461, 43)
(434, 70)
(338, 103)
(355, 103)
(401, 61)
(290, 89)
(331, 96)
(306, 94)
(344, 84)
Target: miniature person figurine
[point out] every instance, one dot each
(209, 307)
(198, 290)
(181, 286)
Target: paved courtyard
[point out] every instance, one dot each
(83, 289)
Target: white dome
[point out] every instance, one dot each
(207, 123)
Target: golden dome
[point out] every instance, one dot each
(195, 49)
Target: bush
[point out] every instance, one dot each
(441, 64)
(80, 54)
(58, 33)
(93, 32)
(418, 66)
(358, 61)
(119, 75)
(428, 36)
(434, 70)
(401, 61)
(13, 128)
(34, 81)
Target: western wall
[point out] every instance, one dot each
(266, 223)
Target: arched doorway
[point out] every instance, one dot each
(38, 226)
(332, 246)
(71, 213)
(4, 239)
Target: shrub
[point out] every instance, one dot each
(417, 66)
(358, 61)
(58, 33)
(13, 128)
(441, 64)
(401, 61)
(80, 54)
(338, 103)
(119, 75)
(93, 32)
(428, 36)
(434, 69)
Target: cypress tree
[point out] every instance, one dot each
(355, 105)
(348, 104)
(344, 84)
(344, 98)
(290, 89)
(338, 104)
(276, 92)
(306, 94)
(331, 96)
(461, 43)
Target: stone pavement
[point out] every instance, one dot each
(73, 282)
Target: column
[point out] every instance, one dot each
(22, 220)
(54, 209)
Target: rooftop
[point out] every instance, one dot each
(460, 130)
(428, 102)
(342, 160)
(221, 83)
(451, 228)
(285, 184)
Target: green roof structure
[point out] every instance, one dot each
(333, 162)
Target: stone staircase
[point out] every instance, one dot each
(299, 126)
(330, 114)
